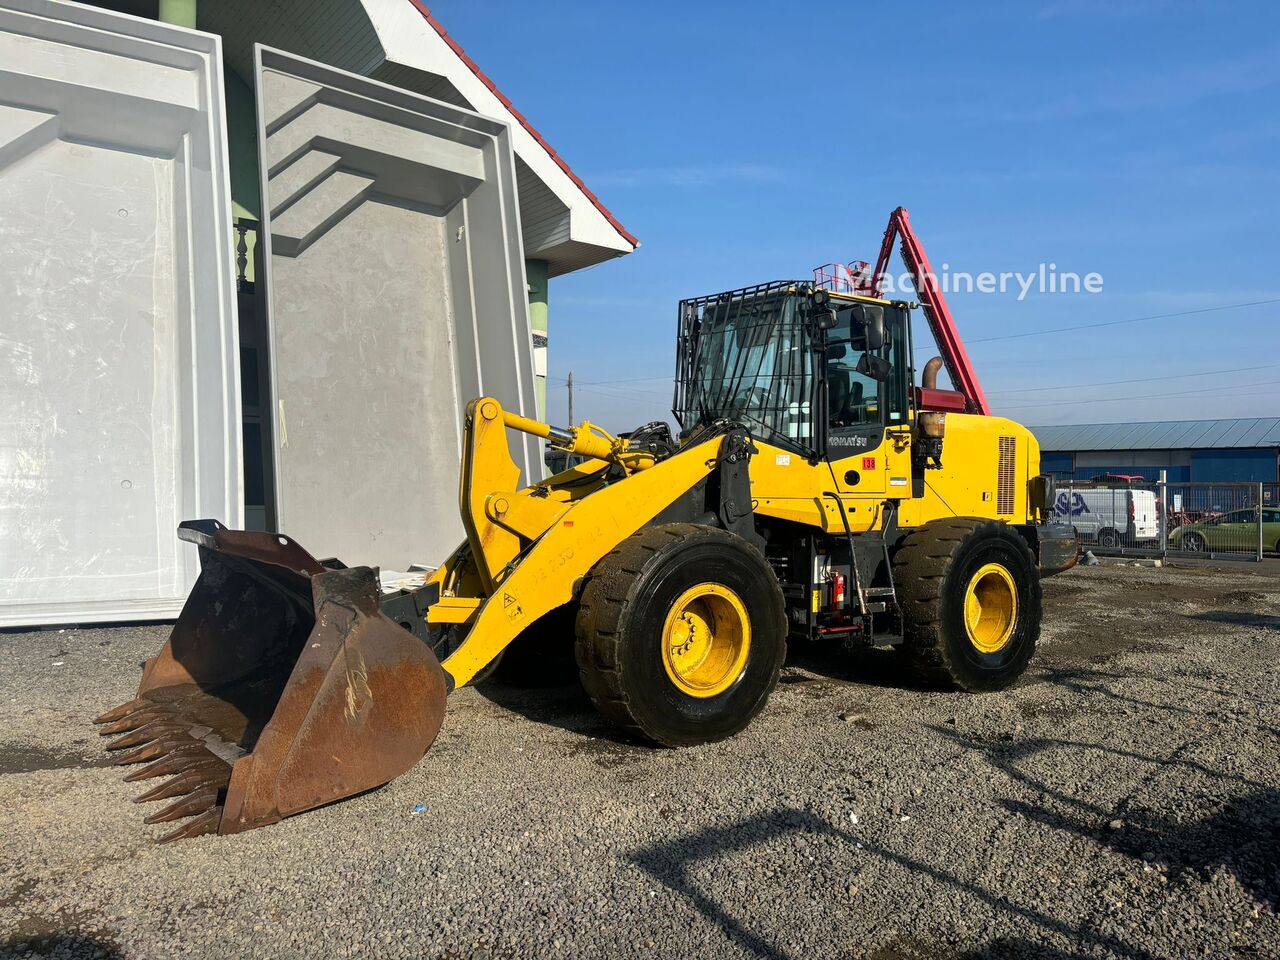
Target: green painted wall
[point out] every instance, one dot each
(242, 129)
(242, 154)
(181, 13)
(242, 145)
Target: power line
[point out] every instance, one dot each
(1111, 323)
(649, 395)
(1230, 388)
(608, 385)
(1109, 383)
(592, 383)
(624, 393)
(1031, 333)
(1116, 323)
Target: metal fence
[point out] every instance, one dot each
(1271, 494)
(1134, 517)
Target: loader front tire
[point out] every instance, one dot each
(681, 632)
(971, 603)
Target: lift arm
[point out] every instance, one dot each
(936, 311)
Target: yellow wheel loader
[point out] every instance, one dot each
(814, 491)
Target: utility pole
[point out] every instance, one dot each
(570, 385)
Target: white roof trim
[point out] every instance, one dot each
(408, 39)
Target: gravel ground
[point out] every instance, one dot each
(1122, 800)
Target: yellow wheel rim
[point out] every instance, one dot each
(705, 640)
(990, 608)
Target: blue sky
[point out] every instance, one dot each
(749, 141)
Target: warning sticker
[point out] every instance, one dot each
(511, 607)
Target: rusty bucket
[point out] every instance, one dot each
(283, 687)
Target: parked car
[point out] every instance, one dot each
(1234, 531)
(1114, 517)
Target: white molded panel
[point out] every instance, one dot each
(120, 411)
(396, 287)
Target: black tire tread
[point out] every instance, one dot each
(920, 567)
(603, 605)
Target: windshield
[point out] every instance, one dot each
(746, 357)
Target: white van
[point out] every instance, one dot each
(1122, 516)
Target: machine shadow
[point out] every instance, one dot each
(1242, 836)
(565, 705)
(850, 662)
(538, 677)
(1016, 948)
(68, 944)
(1090, 681)
(1239, 619)
(672, 864)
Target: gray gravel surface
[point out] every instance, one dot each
(1122, 800)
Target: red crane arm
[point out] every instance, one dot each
(954, 356)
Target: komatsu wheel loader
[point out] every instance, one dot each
(814, 490)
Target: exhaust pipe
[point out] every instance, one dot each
(929, 376)
(933, 423)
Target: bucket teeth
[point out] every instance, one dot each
(145, 734)
(196, 802)
(180, 785)
(133, 721)
(207, 822)
(124, 710)
(161, 748)
(168, 766)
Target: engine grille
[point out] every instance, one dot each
(1004, 476)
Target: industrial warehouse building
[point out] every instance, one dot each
(1196, 451)
(257, 258)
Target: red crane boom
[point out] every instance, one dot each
(954, 356)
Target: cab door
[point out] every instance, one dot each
(868, 434)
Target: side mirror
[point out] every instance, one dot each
(871, 317)
(877, 368)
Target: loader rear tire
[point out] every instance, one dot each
(971, 603)
(681, 633)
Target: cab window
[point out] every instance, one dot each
(853, 398)
(856, 402)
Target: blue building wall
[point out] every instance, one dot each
(1233, 465)
(1216, 466)
(1058, 464)
(1150, 473)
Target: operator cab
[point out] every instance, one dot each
(817, 372)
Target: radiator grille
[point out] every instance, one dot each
(1004, 478)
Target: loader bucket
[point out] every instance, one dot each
(283, 687)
